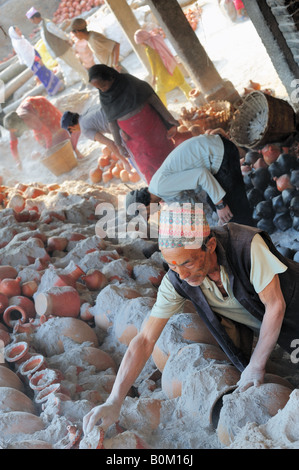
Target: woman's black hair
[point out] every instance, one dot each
(102, 72)
(36, 15)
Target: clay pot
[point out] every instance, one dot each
(181, 329)
(98, 358)
(36, 363)
(85, 312)
(4, 302)
(8, 272)
(186, 362)
(8, 378)
(43, 378)
(5, 338)
(10, 287)
(29, 288)
(256, 404)
(46, 393)
(95, 280)
(73, 328)
(17, 352)
(57, 244)
(32, 444)
(15, 422)
(59, 301)
(69, 279)
(20, 307)
(14, 400)
(17, 203)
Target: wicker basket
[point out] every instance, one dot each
(262, 119)
(60, 158)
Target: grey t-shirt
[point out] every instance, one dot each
(93, 121)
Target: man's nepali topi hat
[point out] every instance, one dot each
(182, 225)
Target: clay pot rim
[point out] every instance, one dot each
(52, 378)
(37, 357)
(10, 347)
(43, 394)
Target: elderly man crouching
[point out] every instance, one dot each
(234, 272)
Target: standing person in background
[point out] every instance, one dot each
(165, 70)
(57, 43)
(41, 116)
(240, 8)
(105, 50)
(29, 56)
(135, 114)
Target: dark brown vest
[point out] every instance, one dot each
(233, 252)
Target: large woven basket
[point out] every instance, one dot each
(262, 119)
(60, 158)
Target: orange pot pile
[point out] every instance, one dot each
(109, 167)
(70, 8)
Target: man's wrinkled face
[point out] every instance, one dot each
(192, 265)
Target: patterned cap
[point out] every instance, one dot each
(182, 225)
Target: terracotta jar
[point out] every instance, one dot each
(8, 272)
(4, 302)
(29, 288)
(95, 280)
(69, 279)
(10, 287)
(181, 330)
(49, 336)
(59, 301)
(98, 358)
(15, 400)
(5, 338)
(20, 307)
(17, 352)
(16, 422)
(8, 378)
(57, 244)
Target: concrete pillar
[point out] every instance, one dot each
(192, 54)
(17, 82)
(274, 37)
(129, 24)
(12, 71)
